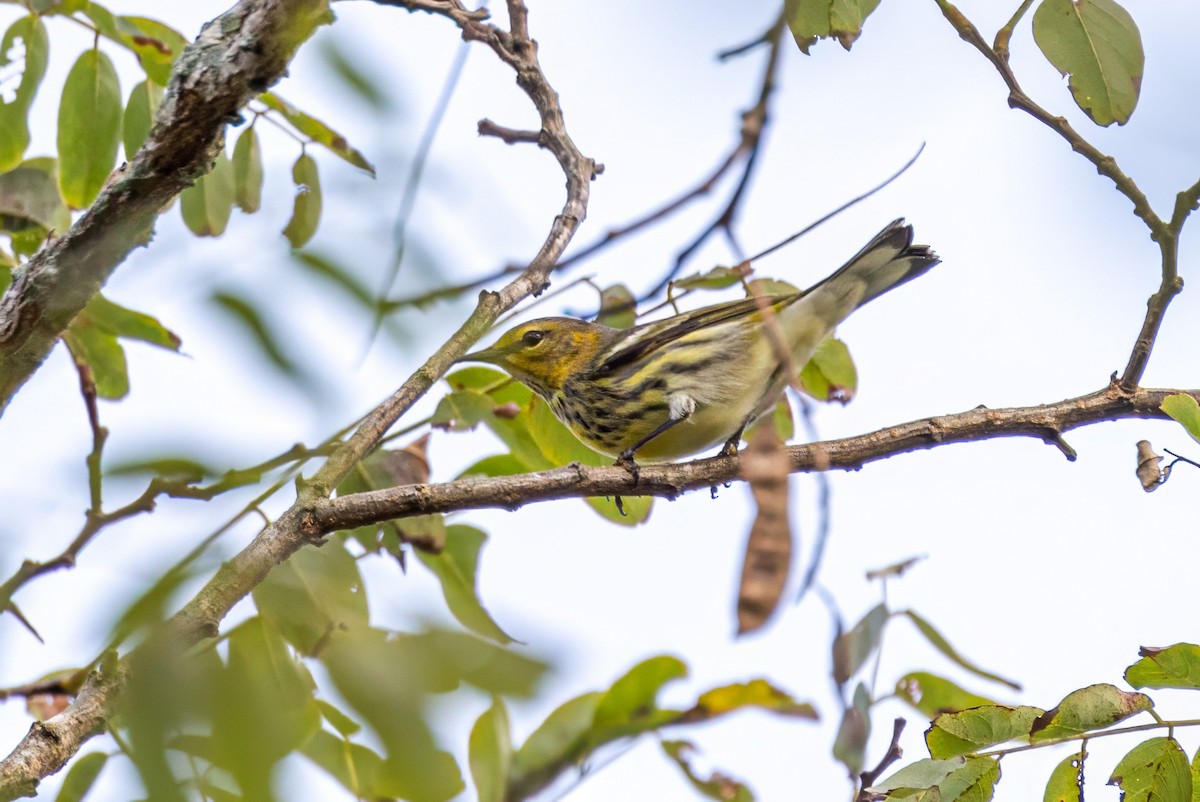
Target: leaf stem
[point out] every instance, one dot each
(1000, 45)
(1157, 725)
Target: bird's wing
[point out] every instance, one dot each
(644, 340)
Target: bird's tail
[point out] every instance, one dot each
(887, 261)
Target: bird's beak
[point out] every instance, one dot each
(482, 355)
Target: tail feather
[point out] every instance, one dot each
(887, 261)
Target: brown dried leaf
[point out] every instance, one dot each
(1148, 472)
(769, 546)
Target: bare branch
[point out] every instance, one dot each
(894, 753)
(1164, 233)
(50, 744)
(234, 59)
(1046, 423)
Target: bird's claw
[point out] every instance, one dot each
(626, 462)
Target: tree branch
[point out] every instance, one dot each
(235, 58)
(51, 743)
(1046, 422)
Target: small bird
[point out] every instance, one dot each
(675, 387)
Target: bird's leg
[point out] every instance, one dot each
(626, 458)
(681, 407)
(731, 445)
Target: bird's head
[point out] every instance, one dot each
(544, 353)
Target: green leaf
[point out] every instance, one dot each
(317, 131)
(478, 377)
(1176, 666)
(306, 209)
(1154, 771)
(497, 465)
(126, 323)
(89, 128)
(1195, 778)
(974, 781)
(491, 753)
(810, 20)
(356, 767)
(1092, 708)
(852, 649)
(29, 198)
(830, 375)
(140, 111)
(247, 172)
(339, 720)
(386, 680)
(81, 777)
(265, 708)
(756, 693)
(1186, 411)
(718, 278)
(618, 307)
(14, 115)
(356, 78)
(936, 639)
(156, 44)
(924, 773)
(102, 354)
(248, 315)
(207, 204)
(977, 728)
(1097, 44)
(456, 568)
(719, 786)
(462, 410)
(338, 274)
(1066, 781)
(931, 694)
(559, 741)
(92, 340)
(312, 595)
(176, 469)
(850, 745)
(630, 705)
(780, 418)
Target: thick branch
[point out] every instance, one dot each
(50, 744)
(235, 58)
(1046, 423)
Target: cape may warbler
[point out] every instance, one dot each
(675, 387)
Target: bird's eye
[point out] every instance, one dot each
(532, 337)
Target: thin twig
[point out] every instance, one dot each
(894, 753)
(834, 213)
(1164, 233)
(1004, 35)
(754, 122)
(1157, 725)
